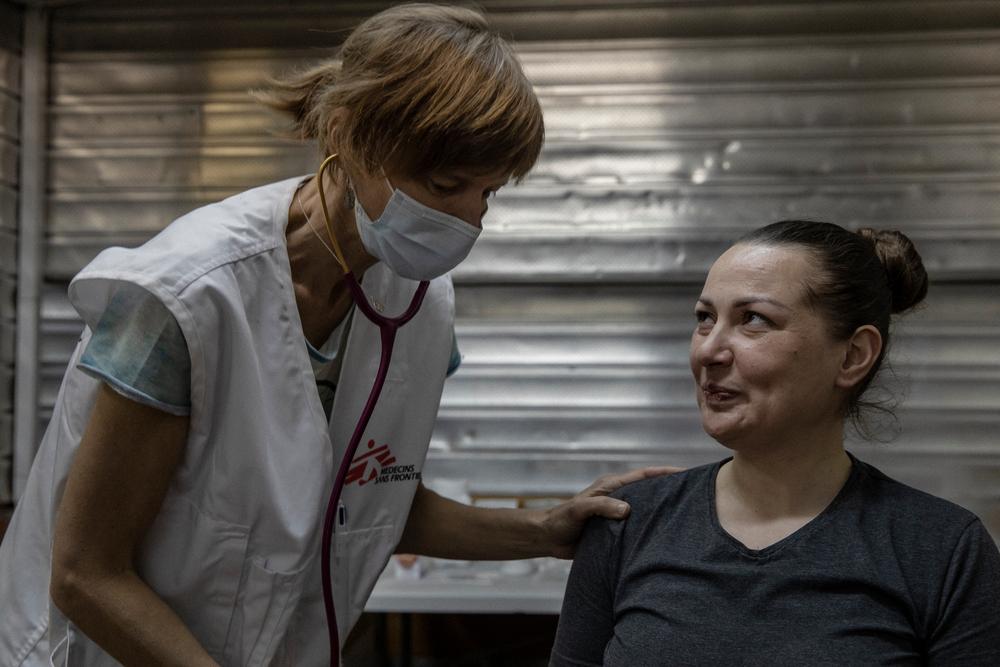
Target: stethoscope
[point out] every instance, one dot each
(388, 326)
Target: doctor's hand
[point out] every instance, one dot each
(563, 524)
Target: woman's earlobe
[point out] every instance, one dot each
(863, 350)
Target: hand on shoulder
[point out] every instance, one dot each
(563, 524)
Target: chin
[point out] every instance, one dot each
(723, 432)
(717, 432)
(727, 444)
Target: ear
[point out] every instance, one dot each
(330, 143)
(862, 350)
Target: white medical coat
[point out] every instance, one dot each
(235, 548)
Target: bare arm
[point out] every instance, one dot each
(446, 529)
(115, 487)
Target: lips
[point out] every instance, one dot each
(718, 393)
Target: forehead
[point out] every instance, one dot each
(778, 272)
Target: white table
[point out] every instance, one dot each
(473, 588)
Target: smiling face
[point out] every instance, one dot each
(764, 363)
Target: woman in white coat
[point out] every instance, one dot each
(173, 513)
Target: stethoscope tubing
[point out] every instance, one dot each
(388, 326)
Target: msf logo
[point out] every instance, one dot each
(367, 467)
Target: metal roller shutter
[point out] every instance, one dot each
(672, 128)
(10, 104)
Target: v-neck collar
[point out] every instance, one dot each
(801, 533)
(301, 354)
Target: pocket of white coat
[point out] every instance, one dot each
(266, 601)
(193, 561)
(360, 557)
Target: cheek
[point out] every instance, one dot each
(757, 367)
(774, 360)
(692, 349)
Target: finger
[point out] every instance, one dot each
(610, 483)
(602, 506)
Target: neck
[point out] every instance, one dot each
(321, 291)
(342, 222)
(795, 478)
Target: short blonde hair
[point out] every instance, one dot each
(429, 87)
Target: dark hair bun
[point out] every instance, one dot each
(903, 266)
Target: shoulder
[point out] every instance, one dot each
(659, 500)
(887, 507)
(236, 228)
(910, 509)
(942, 558)
(192, 247)
(667, 488)
(202, 240)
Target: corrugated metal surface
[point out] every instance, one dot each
(672, 128)
(10, 86)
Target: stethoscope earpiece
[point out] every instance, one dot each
(337, 252)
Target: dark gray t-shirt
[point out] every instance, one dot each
(886, 575)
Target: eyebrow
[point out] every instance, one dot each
(746, 301)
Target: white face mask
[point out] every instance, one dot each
(415, 241)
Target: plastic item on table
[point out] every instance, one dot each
(503, 503)
(407, 567)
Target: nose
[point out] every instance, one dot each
(471, 208)
(712, 348)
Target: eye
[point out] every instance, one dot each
(489, 194)
(752, 317)
(443, 188)
(704, 318)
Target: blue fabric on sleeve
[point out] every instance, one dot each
(138, 349)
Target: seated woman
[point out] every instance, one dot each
(792, 551)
